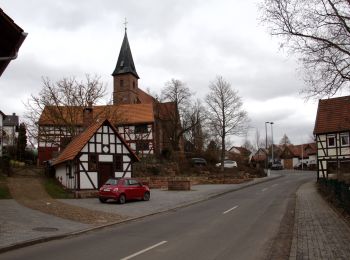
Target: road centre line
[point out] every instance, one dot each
(264, 189)
(144, 250)
(227, 211)
(274, 185)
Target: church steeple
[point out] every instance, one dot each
(125, 63)
(125, 76)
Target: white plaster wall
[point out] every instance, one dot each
(85, 164)
(84, 180)
(295, 161)
(63, 178)
(105, 158)
(118, 174)
(84, 157)
(85, 148)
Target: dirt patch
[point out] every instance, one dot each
(29, 192)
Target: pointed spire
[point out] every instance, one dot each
(125, 63)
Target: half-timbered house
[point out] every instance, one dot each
(94, 156)
(332, 128)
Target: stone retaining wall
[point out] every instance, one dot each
(162, 182)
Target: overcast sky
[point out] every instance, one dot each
(193, 41)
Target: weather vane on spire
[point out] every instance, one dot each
(125, 24)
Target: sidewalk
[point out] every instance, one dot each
(21, 226)
(319, 232)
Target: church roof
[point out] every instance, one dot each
(117, 114)
(125, 63)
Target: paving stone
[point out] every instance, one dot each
(319, 232)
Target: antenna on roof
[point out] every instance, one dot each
(125, 24)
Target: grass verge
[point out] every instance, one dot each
(4, 191)
(55, 189)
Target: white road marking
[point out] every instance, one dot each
(144, 250)
(274, 185)
(227, 211)
(264, 189)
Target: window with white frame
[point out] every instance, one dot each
(344, 139)
(331, 140)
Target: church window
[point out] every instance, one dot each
(121, 83)
(133, 84)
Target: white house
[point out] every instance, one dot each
(93, 157)
(10, 127)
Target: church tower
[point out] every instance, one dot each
(125, 78)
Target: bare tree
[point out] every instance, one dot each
(249, 146)
(225, 113)
(61, 100)
(184, 114)
(319, 32)
(285, 140)
(197, 134)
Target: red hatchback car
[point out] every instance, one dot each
(123, 189)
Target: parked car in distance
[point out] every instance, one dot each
(123, 189)
(276, 166)
(300, 166)
(228, 164)
(198, 162)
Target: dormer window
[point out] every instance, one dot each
(122, 64)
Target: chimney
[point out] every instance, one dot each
(88, 115)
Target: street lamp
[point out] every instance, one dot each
(267, 157)
(272, 141)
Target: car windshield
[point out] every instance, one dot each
(111, 182)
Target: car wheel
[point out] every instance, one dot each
(102, 200)
(146, 196)
(122, 199)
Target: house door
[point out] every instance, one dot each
(105, 171)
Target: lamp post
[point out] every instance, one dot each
(271, 123)
(267, 157)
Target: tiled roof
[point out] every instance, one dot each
(77, 144)
(301, 150)
(11, 120)
(11, 39)
(144, 97)
(333, 115)
(167, 110)
(117, 114)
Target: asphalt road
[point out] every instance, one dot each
(238, 225)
